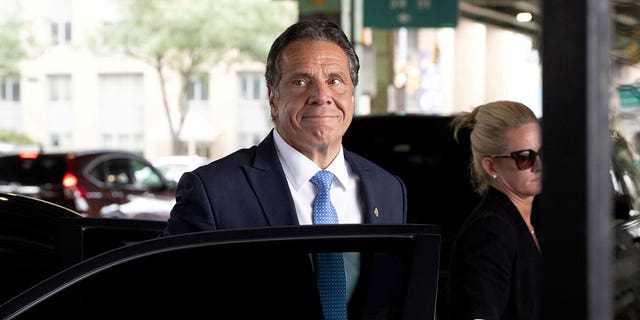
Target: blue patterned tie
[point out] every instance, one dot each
(330, 266)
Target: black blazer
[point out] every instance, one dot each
(248, 188)
(495, 270)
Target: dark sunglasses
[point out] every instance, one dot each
(525, 159)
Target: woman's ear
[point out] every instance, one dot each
(488, 166)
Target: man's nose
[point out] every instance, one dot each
(320, 95)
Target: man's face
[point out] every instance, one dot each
(315, 104)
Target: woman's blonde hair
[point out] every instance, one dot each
(488, 124)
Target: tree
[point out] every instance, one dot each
(11, 50)
(13, 38)
(12, 137)
(187, 36)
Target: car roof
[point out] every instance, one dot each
(75, 152)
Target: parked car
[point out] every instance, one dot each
(253, 273)
(39, 239)
(625, 178)
(420, 149)
(94, 183)
(172, 167)
(54, 261)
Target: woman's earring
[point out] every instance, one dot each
(494, 176)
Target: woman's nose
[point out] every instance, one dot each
(538, 164)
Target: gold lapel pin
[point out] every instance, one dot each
(375, 212)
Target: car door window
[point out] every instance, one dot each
(119, 172)
(145, 177)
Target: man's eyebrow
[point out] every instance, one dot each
(300, 75)
(306, 75)
(337, 75)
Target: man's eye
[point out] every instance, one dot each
(299, 82)
(335, 81)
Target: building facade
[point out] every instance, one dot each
(68, 97)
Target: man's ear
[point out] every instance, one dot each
(272, 97)
(272, 102)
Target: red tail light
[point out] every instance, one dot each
(69, 180)
(28, 154)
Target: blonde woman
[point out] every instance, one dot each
(496, 259)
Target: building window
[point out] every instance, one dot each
(129, 141)
(60, 32)
(59, 88)
(61, 140)
(252, 86)
(253, 112)
(121, 110)
(199, 87)
(60, 15)
(121, 90)
(9, 89)
(59, 111)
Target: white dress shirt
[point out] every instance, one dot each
(344, 194)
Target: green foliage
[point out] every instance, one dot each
(11, 50)
(15, 138)
(191, 36)
(183, 34)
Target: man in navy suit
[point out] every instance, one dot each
(311, 73)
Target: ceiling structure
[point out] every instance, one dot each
(502, 13)
(627, 30)
(625, 21)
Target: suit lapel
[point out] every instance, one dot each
(369, 186)
(272, 189)
(270, 185)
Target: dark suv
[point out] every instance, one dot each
(95, 183)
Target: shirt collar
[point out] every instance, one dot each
(299, 169)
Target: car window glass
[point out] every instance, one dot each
(145, 177)
(37, 171)
(98, 172)
(118, 172)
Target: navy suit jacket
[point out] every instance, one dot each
(248, 188)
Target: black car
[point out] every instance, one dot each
(39, 239)
(255, 273)
(421, 150)
(95, 183)
(99, 258)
